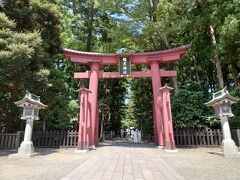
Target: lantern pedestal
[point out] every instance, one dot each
(26, 149)
(228, 145)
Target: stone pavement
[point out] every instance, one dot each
(124, 161)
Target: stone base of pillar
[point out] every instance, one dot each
(92, 147)
(21, 156)
(81, 151)
(160, 147)
(26, 150)
(171, 150)
(168, 145)
(229, 147)
(82, 147)
(227, 155)
(26, 147)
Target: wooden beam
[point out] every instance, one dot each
(168, 73)
(163, 56)
(135, 74)
(117, 75)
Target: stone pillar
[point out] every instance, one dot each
(156, 84)
(26, 149)
(228, 145)
(93, 87)
(26, 146)
(83, 117)
(28, 130)
(169, 142)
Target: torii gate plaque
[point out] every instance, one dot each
(154, 59)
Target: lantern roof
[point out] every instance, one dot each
(222, 96)
(32, 99)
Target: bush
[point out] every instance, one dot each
(189, 110)
(235, 121)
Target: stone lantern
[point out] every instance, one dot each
(31, 105)
(221, 103)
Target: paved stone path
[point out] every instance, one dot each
(124, 162)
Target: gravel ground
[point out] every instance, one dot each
(200, 163)
(51, 164)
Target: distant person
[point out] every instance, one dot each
(128, 132)
(122, 133)
(132, 133)
(135, 136)
(139, 138)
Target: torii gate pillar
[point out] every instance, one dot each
(97, 125)
(156, 84)
(169, 143)
(93, 87)
(84, 135)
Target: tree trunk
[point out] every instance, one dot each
(10, 123)
(216, 59)
(11, 126)
(154, 40)
(44, 125)
(109, 119)
(152, 12)
(102, 135)
(165, 40)
(90, 28)
(89, 39)
(219, 71)
(1, 122)
(196, 70)
(235, 73)
(173, 80)
(174, 84)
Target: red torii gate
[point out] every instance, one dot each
(88, 123)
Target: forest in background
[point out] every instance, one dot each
(33, 33)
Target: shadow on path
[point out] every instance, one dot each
(39, 151)
(126, 143)
(6, 152)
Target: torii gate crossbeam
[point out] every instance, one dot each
(143, 74)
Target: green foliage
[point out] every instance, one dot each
(31, 60)
(18, 53)
(129, 120)
(189, 110)
(235, 120)
(138, 112)
(32, 33)
(142, 98)
(111, 100)
(6, 22)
